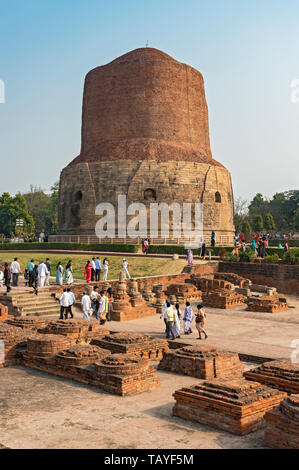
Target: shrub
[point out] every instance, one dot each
(271, 259)
(247, 255)
(291, 257)
(293, 242)
(232, 258)
(70, 246)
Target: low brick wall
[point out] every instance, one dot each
(282, 276)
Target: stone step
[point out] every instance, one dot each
(41, 311)
(34, 301)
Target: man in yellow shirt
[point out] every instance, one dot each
(170, 320)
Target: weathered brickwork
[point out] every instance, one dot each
(145, 134)
(282, 425)
(282, 375)
(14, 338)
(267, 303)
(3, 312)
(79, 330)
(141, 345)
(203, 362)
(237, 406)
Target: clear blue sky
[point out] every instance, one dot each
(248, 52)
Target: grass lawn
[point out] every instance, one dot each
(137, 267)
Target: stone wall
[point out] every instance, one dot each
(282, 276)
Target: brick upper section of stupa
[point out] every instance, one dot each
(145, 105)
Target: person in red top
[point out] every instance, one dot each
(87, 271)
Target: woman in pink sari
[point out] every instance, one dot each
(87, 272)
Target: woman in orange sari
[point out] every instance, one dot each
(87, 272)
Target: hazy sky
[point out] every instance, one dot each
(247, 51)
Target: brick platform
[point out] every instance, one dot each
(125, 307)
(282, 425)
(78, 330)
(218, 293)
(202, 362)
(28, 323)
(14, 338)
(126, 374)
(267, 303)
(46, 345)
(282, 375)
(183, 292)
(236, 406)
(81, 354)
(143, 346)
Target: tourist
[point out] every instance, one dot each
(15, 270)
(86, 306)
(286, 247)
(103, 307)
(105, 268)
(188, 318)
(143, 246)
(200, 321)
(203, 250)
(170, 319)
(71, 302)
(177, 324)
(243, 246)
(64, 303)
(189, 257)
(213, 239)
(125, 269)
(7, 277)
(34, 279)
(94, 301)
(42, 273)
(1, 278)
(146, 245)
(164, 316)
(30, 267)
(253, 246)
(110, 300)
(93, 269)
(68, 275)
(98, 268)
(26, 277)
(87, 271)
(48, 264)
(59, 274)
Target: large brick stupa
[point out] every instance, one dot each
(145, 134)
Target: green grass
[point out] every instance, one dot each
(138, 266)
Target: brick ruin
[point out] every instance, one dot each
(202, 362)
(126, 374)
(282, 375)
(282, 425)
(14, 338)
(181, 292)
(267, 303)
(237, 406)
(80, 331)
(218, 293)
(28, 323)
(129, 307)
(3, 312)
(141, 345)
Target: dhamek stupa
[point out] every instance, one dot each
(145, 134)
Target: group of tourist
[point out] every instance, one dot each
(145, 243)
(97, 304)
(172, 317)
(258, 244)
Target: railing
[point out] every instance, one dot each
(221, 240)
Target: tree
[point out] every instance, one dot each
(258, 224)
(11, 209)
(296, 219)
(43, 208)
(269, 222)
(258, 205)
(246, 229)
(240, 212)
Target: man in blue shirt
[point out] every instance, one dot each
(98, 268)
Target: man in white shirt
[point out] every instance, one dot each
(103, 307)
(125, 269)
(71, 302)
(94, 301)
(42, 273)
(86, 306)
(64, 303)
(15, 270)
(93, 269)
